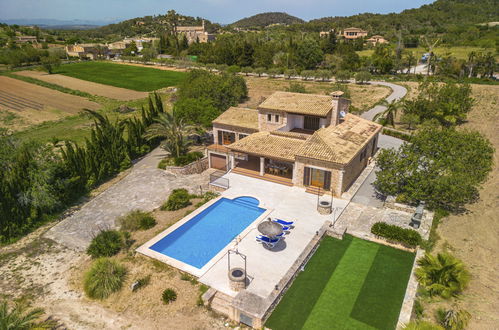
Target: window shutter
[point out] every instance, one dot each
(306, 176)
(327, 180)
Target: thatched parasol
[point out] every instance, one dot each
(270, 228)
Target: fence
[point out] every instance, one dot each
(217, 180)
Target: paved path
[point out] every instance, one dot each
(398, 92)
(145, 188)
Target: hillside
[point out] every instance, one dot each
(440, 17)
(266, 19)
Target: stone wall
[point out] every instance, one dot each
(196, 167)
(266, 126)
(356, 166)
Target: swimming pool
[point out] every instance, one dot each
(201, 238)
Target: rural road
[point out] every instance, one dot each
(145, 188)
(398, 92)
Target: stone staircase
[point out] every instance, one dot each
(315, 190)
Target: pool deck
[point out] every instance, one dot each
(265, 267)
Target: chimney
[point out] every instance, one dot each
(340, 107)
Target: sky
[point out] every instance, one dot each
(219, 11)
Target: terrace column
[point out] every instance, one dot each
(262, 166)
(231, 162)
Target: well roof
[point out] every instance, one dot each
(239, 117)
(306, 104)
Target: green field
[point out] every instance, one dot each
(347, 284)
(458, 52)
(126, 76)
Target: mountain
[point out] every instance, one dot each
(437, 17)
(47, 22)
(266, 19)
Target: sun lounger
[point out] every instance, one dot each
(284, 223)
(270, 242)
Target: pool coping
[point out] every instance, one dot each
(146, 250)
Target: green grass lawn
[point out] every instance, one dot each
(126, 76)
(348, 284)
(458, 52)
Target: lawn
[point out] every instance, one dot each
(459, 52)
(126, 76)
(348, 284)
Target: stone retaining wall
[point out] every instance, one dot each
(196, 167)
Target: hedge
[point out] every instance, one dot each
(397, 134)
(408, 237)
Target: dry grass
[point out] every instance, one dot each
(363, 97)
(145, 303)
(474, 235)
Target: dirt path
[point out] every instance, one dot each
(121, 94)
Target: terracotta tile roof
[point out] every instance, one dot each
(306, 104)
(268, 145)
(239, 117)
(341, 143)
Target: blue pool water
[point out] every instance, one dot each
(198, 240)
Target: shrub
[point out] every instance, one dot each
(422, 325)
(296, 87)
(407, 237)
(164, 163)
(106, 244)
(453, 319)
(104, 277)
(397, 134)
(187, 158)
(443, 275)
(142, 282)
(168, 296)
(178, 199)
(202, 289)
(136, 220)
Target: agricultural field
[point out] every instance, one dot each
(347, 284)
(111, 92)
(125, 76)
(458, 52)
(363, 97)
(23, 105)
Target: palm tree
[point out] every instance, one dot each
(443, 275)
(175, 132)
(20, 318)
(390, 113)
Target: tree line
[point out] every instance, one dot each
(39, 180)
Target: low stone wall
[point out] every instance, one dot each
(410, 295)
(196, 167)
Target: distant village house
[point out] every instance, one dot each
(354, 33)
(377, 39)
(26, 39)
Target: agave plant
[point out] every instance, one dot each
(442, 275)
(453, 319)
(20, 317)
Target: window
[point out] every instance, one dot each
(269, 117)
(226, 138)
(241, 136)
(311, 123)
(276, 118)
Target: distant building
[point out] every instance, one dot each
(26, 39)
(324, 34)
(354, 33)
(90, 51)
(195, 33)
(377, 39)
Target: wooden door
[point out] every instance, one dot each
(317, 177)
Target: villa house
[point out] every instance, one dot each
(302, 140)
(354, 33)
(377, 39)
